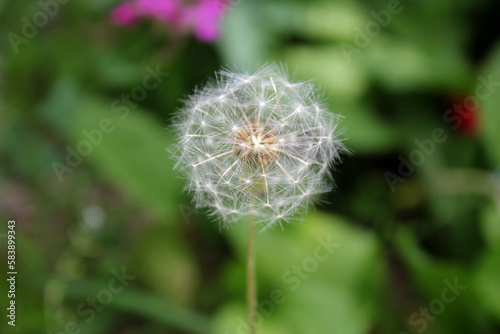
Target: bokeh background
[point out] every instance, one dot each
(405, 231)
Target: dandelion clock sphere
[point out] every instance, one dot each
(256, 146)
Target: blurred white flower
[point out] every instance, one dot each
(256, 144)
(94, 217)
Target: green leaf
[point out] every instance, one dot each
(126, 147)
(244, 41)
(328, 66)
(332, 20)
(433, 279)
(491, 226)
(318, 265)
(488, 282)
(402, 65)
(144, 304)
(132, 155)
(364, 130)
(490, 106)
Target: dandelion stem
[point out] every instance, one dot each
(251, 279)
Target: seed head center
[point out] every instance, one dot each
(255, 144)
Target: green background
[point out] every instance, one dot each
(123, 206)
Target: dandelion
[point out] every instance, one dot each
(256, 147)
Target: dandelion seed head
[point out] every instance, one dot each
(256, 144)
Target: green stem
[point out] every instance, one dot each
(251, 280)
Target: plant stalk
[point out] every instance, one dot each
(251, 278)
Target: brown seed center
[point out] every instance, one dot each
(255, 144)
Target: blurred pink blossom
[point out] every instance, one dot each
(201, 16)
(162, 10)
(204, 18)
(124, 14)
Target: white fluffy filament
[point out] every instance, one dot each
(256, 144)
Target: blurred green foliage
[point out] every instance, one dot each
(122, 206)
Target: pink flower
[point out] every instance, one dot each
(124, 14)
(203, 16)
(204, 19)
(163, 10)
